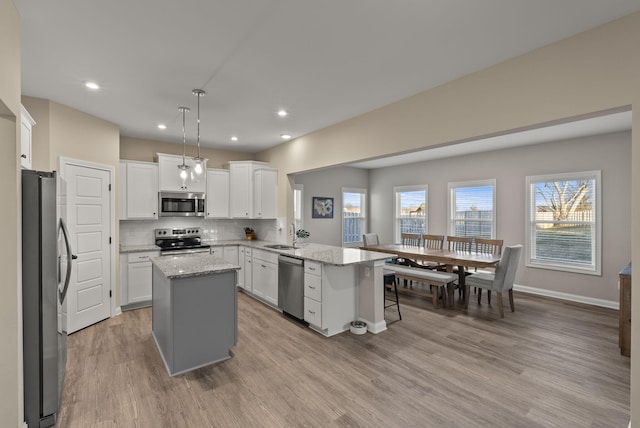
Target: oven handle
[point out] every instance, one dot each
(70, 256)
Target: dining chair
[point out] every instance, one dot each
(370, 239)
(487, 246)
(501, 280)
(412, 239)
(435, 242)
(459, 243)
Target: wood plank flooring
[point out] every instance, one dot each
(549, 364)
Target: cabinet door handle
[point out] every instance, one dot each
(313, 288)
(263, 266)
(312, 268)
(311, 312)
(23, 156)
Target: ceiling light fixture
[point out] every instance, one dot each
(92, 85)
(285, 136)
(198, 168)
(162, 126)
(282, 113)
(182, 168)
(234, 138)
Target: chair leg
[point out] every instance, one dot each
(466, 301)
(500, 308)
(434, 297)
(479, 294)
(489, 296)
(395, 288)
(511, 299)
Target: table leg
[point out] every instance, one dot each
(461, 283)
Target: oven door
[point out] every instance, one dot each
(181, 204)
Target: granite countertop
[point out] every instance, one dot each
(138, 248)
(188, 265)
(327, 254)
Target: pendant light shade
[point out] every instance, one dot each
(183, 167)
(199, 165)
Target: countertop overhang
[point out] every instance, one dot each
(188, 265)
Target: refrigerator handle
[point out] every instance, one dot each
(70, 257)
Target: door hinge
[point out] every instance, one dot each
(109, 186)
(110, 293)
(109, 240)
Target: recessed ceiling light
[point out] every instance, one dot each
(282, 113)
(285, 136)
(92, 85)
(234, 138)
(162, 126)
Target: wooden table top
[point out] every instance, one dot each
(454, 258)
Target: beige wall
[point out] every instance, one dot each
(11, 405)
(145, 150)
(593, 71)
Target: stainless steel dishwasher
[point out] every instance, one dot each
(291, 286)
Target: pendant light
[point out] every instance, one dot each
(183, 167)
(198, 168)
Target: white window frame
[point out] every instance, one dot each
(451, 206)
(396, 207)
(596, 267)
(298, 207)
(363, 201)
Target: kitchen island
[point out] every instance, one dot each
(194, 310)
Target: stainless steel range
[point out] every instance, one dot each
(180, 241)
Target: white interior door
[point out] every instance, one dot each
(88, 208)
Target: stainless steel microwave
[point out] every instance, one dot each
(181, 204)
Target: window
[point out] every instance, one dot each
(563, 221)
(353, 215)
(472, 209)
(297, 206)
(410, 210)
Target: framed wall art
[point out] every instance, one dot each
(322, 207)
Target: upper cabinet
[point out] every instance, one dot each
(265, 194)
(26, 123)
(138, 190)
(169, 175)
(217, 198)
(244, 189)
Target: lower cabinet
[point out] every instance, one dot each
(228, 253)
(265, 276)
(241, 260)
(248, 269)
(135, 278)
(329, 297)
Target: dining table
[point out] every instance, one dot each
(450, 259)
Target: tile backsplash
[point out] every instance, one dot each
(140, 232)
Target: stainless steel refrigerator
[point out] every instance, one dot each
(46, 269)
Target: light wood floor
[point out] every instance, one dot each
(549, 364)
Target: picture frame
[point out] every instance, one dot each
(321, 207)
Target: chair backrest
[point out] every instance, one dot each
(370, 239)
(433, 241)
(507, 267)
(412, 239)
(456, 243)
(488, 246)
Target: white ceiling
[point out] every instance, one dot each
(324, 61)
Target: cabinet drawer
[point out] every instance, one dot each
(313, 312)
(313, 268)
(313, 287)
(141, 256)
(266, 256)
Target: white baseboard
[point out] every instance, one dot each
(117, 312)
(375, 328)
(566, 296)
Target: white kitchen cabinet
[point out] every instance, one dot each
(26, 125)
(241, 187)
(265, 276)
(329, 297)
(122, 170)
(229, 253)
(136, 278)
(241, 272)
(248, 269)
(217, 198)
(141, 191)
(169, 178)
(265, 193)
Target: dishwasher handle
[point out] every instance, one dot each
(290, 260)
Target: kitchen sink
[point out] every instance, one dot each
(280, 247)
